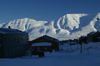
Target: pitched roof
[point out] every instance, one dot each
(97, 33)
(51, 38)
(94, 33)
(47, 37)
(10, 31)
(83, 37)
(91, 33)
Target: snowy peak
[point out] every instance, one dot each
(95, 23)
(69, 26)
(69, 21)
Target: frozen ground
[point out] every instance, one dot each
(70, 57)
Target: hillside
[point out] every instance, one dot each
(69, 26)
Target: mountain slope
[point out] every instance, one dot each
(70, 21)
(69, 26)
(24, 24)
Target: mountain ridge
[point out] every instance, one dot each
(69, 26)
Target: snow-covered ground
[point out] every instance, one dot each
(71, 57)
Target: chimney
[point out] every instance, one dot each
(9, 27)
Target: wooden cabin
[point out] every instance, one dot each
(45, 38)
(93, 37)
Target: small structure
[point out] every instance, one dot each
(93, 37)
(83, 39)
(43, 46)
(45, 38)
(13, 43)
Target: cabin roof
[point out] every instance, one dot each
(51, 38)
(92, 33)
(47, 37)
(10, 31)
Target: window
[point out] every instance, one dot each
(6, 52)
(5, 39)
(36, 49)
(12, 39)
(16, 49)
(22, 38)
(20, 47)
(45, 47)
(15, 39)
(13, 50)
(9, 39)
(9, 51)
(18, 42)
(42, 40)
(18, 39)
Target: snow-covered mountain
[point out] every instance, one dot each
(69, 26)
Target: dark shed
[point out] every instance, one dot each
(93, 36)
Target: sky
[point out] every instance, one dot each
(45, 10)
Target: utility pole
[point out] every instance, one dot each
(77, 46)
(80, 46)
(77, 43)
(81, 49)
(67, 46)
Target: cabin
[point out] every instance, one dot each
(13, 43)
(93, 37)
(48, 39)
(83, 39)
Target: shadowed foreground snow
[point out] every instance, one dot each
(89, 57)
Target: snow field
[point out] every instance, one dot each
(90, 57)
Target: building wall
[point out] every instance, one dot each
(89, 38)
(42, 48)
(14, 45)
(95, 39)
(2, 45)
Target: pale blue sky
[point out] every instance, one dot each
(45, 9)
